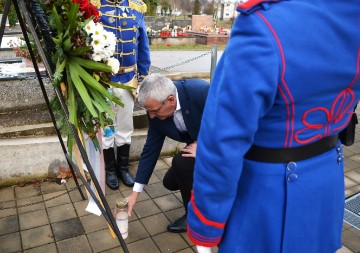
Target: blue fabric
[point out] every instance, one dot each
(129, 27)
(192, 96)
(289, 76)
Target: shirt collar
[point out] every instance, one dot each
(178, 106)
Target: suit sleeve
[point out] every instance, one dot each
(150, 154)
(143, 63)
(243, 89)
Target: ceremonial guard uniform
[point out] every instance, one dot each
(125, 18)
(269, 165)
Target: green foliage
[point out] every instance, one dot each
(210, 8)
(12, 14)
(196, 8)
(151, 7)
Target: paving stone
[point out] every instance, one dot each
(92, 223)
(155, 224)
(136, 232)
(154, 180)
(188, 250)
(178, 196)
(348, 152)
(354, 176)
(33, 219)
(168, 202)
(48, 248)
(161, 173)
(9, 225)
(22, 204)
(142, 196)
(60, 198)
(8, 212)
(36, 236)
(143, 246)
(168, 160)
(169, 242)
(102, 240)
(60, 213)
(26, 191)
(114, 250)
(111, 199)
(349, 183)
(160, 164)
(353, 162)
(77, 244)
(174, 214)
(344, 250)
(76, 196)
(10, 243)
(49, 187)
(80, 208)
(156, 190)
(7, 194)
(146, 208)
(351, 241)
(133, 168)
(67, 229)
(349, 193)
(187, 239)
(356, 188)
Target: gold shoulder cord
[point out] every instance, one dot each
(97, 3)
(139, 6)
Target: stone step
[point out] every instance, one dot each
(25, 159)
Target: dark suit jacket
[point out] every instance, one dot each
(192, 96)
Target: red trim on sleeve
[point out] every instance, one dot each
(210, 243)
(202, 218)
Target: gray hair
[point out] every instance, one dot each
(156, 87)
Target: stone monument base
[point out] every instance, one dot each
(209, 38)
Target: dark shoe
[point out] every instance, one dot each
(127, 178)
(178, 226)
(111, 180)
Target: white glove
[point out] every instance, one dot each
(202, 249)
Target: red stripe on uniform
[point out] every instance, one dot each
(202, 218)
(201, 243)
(248, 4)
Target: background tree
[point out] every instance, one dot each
(196, 8)
(210, 8)
(151, 7)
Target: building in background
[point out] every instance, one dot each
(226, 10)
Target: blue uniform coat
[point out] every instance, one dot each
(289, 76)
(126, 19)
(192, 96)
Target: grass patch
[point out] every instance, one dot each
(196, 47)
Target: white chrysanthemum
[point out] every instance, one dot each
(98, 29)
(90, 27)
(97, 43)
(110, 38)
(114, 64)
(96, 57)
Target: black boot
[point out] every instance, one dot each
(123, 165)
(110, 168)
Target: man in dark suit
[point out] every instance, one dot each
(174, 110)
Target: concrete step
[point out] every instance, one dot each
(38, 157)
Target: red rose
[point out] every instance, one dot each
(92, 11)
(84, 4)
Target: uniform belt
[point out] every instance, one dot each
(285, 155)
(129, 69)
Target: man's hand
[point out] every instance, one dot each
(131, 201)
(190, 150)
